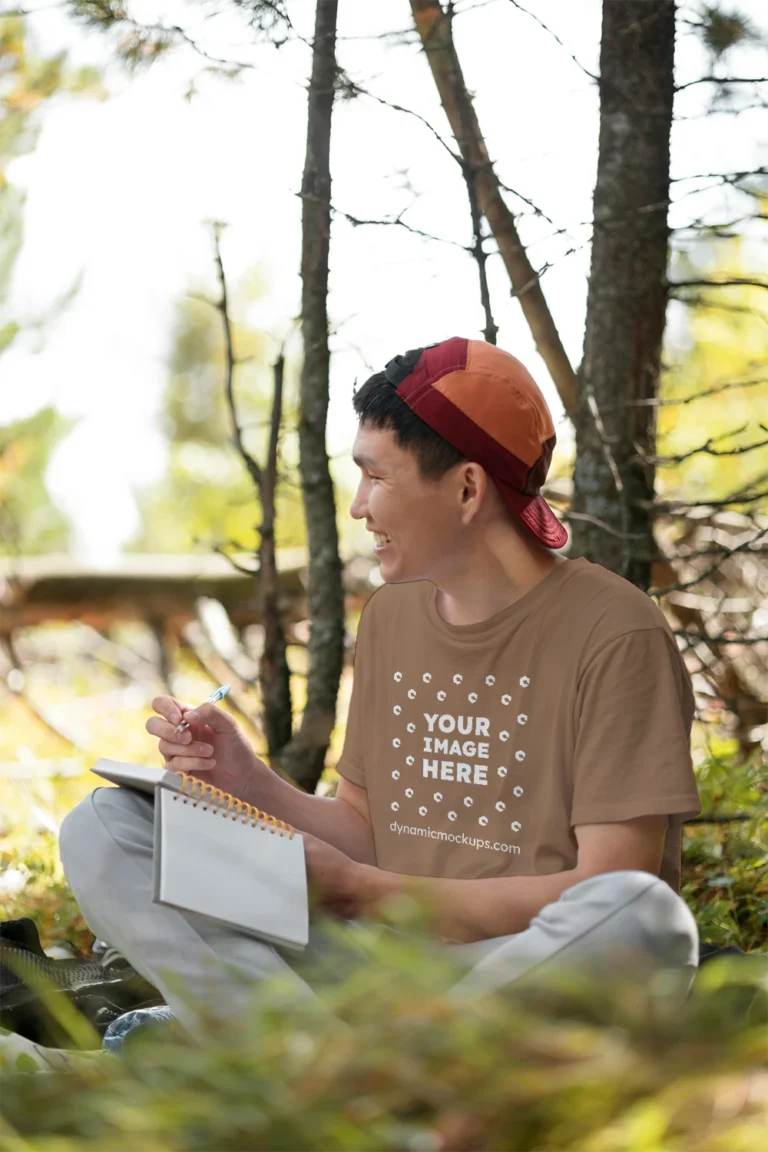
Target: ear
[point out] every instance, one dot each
(474, 485)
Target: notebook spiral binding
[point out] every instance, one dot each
(228, 805)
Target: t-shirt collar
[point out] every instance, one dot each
(513, 614)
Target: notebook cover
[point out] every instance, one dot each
(142, 777)
(248, 877)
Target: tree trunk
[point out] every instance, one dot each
(274, 673)
(304, 757)
(434, 28)
(626, 305)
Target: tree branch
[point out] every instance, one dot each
(536, 210)
(730, 282)
(684, 505)
(556, 38)
(721, 177)
(357, 90)
(589, 519)
(657, 402)
(708, 450)
(230, 560)
(725, 111)
(745, 546)
(737, 818)
(700, 637)
(722, 80)
(223, 309)
(434, 27)
(481, 256)
(398, 222)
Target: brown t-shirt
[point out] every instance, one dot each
(482, 746)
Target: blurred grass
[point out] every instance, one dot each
(385, 1060)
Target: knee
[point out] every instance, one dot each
(89, 832)
(661, 919)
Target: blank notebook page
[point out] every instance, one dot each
(248, 877)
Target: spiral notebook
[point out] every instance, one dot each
(220, 857)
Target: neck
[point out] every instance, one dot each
(492, 577)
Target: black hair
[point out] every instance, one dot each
(378, 406)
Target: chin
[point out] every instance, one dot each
(398, 575)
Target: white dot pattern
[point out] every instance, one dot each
(411, 727)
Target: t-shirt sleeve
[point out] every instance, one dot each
(351, 765)
(634, 708)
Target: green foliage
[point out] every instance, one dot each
(715, 386)
(384, 1059)
(99, 13)
(722, 29)
(208, 496)
(30, 522)
(725, 865)
(11, 208)
(137, 45)
(46, 896)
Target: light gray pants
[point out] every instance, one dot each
(618, 918)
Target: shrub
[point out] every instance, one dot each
(386, 1059)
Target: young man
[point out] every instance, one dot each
(517, 748)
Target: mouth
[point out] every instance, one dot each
(380, 542)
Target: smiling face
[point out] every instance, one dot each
(421, 519)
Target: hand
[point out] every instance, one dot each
(333, 878)
(214, 748)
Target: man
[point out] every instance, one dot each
(517, 748)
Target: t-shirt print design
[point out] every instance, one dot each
(455, 763)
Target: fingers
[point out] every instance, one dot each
(212, 716)
(195, 743)
(170, 708)
(190, 765)
(195, 749)
(158, 727)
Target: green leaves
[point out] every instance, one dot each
(25, 1063)
(722, 29)
(385, 1060)
(30, 522)
(725, 865)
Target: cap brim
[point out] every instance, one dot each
(535, 515)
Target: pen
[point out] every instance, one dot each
(214, 698)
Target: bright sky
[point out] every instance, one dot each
(118, 193)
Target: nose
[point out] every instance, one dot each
(357, 508)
